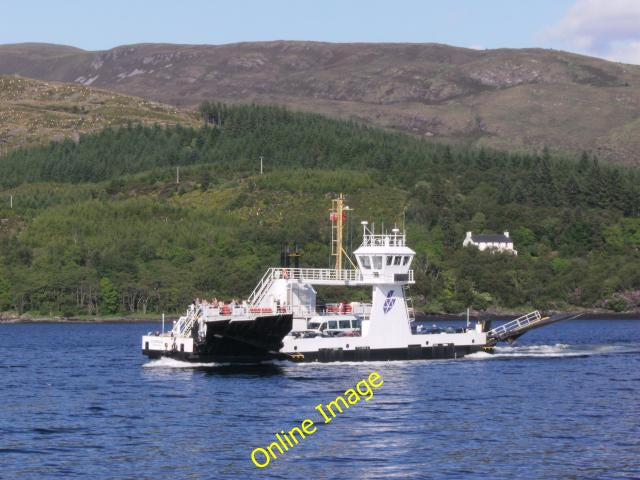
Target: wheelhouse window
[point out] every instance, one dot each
(389, 260)
(377, 262)
(355, 323)
(397, 260)
(365, 261)
(344, 324)
(333, 324)
(406, 260)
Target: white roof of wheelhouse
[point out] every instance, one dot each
(384, 250)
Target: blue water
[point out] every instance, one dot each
(80, 401)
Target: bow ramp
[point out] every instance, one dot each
(509, 332)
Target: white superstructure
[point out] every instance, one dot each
(384, 263)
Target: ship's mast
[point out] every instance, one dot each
(338, 216)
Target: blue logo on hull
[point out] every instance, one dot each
(389, 302)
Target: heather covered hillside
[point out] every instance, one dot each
(34, 112)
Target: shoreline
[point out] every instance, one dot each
(27, 319)
(420, 317)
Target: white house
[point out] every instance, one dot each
(498, 243)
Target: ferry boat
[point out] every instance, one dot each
(280, 319)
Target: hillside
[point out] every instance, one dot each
(105, 218)
(509, 99)
(33, 112)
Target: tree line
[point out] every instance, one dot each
(101, 226)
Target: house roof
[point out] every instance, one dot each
(491, 238)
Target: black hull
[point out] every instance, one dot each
(238, 341)
(387, 354)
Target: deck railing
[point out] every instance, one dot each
(319, 274)
(388, 240)
(209, 312)
(518, 323)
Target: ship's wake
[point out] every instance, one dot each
(558, 350)
(165, 362)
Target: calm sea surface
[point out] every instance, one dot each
(80, 401)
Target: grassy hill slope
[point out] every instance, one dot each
(33, 112)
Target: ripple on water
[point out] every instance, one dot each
(569, 390)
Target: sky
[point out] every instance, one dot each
(604, 28)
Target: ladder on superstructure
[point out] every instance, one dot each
(411, 313)
(185, 326)
(262, 288)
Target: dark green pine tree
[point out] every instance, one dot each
(109, 297)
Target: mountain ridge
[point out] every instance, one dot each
(515, 99)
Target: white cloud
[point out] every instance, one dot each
(602, 28)
(627, 52)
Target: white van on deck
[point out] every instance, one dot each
(335, 325)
